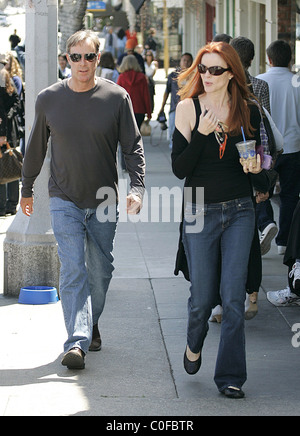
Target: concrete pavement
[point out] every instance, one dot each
(139, 371)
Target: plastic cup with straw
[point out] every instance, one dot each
(246, 149)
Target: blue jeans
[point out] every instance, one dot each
(85, 251)
(171, 128)
(220, 250)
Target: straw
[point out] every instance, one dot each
(243, 133)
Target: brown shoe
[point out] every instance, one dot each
(96, 339)
(74, 359)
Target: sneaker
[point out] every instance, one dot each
(296, 273)
(283, 298)
(266, 238)
(281, 249)
(216, 314)
(251, 306)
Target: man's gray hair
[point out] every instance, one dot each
(81, 36)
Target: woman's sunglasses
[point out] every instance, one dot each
(76, 57)
(214, 71)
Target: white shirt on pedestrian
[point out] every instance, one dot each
(285, 105)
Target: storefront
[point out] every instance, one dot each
(262, 21)
(191, 23)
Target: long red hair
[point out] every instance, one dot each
(191, 85)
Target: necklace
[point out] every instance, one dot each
(221, 138)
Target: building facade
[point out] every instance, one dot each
(190, 24)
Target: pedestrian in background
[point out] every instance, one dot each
(215, 103)
(121, 42)
(9, 192)
(151, 43)
(134, 81)
(285, 110)
(20, 50)
(186, 61)
(15, 72)
(140, 50)
(111, 42)
(150, 70)
(107, 67)
(14, 39)
(222, 37)
(290, 296)
(260, 89)
(246, 51)
(63, 70)
(130, 50)
(86, 117)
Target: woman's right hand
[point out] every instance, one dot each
(208, 122)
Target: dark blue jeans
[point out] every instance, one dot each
(9, 196)
(288, 168)
(222, 246)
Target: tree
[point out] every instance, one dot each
(71, 18)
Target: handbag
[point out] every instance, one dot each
(267, 147)
(145, 128)
(162, 119)
(11, 162)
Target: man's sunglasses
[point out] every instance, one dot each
(214, 71)
(76, 57)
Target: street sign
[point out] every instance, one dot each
(95, 5)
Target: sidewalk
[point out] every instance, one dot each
(139, 371)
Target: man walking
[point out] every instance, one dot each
(186, 61)
(14, 40)
(285, 109)
(246, 51)
(260, 88)
(85, 116)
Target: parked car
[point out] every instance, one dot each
(3, 20)
(297, 30)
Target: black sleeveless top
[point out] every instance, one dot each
(200, 164)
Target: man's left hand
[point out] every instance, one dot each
(261, 196)
(134, 204)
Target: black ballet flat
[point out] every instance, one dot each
(191, 367)
(233, 393)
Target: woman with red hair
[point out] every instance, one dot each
(217, 229)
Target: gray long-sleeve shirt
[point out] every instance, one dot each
(85, 129)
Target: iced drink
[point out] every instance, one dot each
(247, 151)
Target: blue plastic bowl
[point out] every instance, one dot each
(38, 295)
